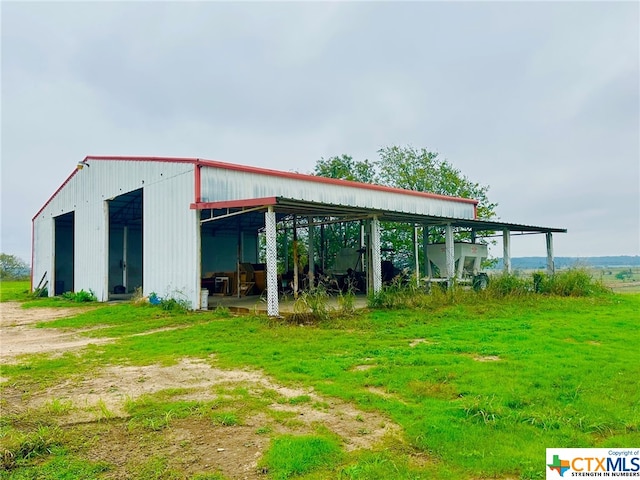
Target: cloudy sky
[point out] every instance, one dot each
(539, 100)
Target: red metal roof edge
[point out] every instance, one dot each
(249, 202)
(257, 170)
(282, 174)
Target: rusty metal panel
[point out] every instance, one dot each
(220, 185)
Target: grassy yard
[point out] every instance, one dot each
(479, 387)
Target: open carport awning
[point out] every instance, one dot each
(290, 206)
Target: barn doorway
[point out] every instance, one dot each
(125, 244)
(63, 255)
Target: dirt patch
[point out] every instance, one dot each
(417, 341)
(487, 358)
(190, 445)
(197, 444)
(19, 335)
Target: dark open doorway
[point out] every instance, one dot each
(125, 243)
(63, 254)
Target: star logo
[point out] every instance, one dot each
(558, 465)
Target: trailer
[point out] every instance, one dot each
(466, 264)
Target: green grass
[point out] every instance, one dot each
(292, 456)
(14, 290)
(479, 386)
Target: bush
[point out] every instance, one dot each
(81, 296)
(575, 282)
(170, 304)
(312, 305)
(509, 284)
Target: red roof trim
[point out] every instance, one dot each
(281, 174)
(249, 202)
(260, 171)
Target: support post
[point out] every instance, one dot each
(285, 249)
(323, 249)
(425, 243)
(551, 268)
(506, 250)
(376, 265)
(295, 258)
(311, 255)
(272, 262)
(449, 253)
(415, 254)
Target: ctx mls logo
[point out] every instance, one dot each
(559, 465)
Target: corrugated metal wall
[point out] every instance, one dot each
(220, 184)
(170, 228)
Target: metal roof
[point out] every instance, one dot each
(313, 209)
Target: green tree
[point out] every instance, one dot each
(13, 268)
(346, 168)
(424, 171)
(410, 169)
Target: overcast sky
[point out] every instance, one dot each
(538, 100)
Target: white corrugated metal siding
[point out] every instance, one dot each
(171, 240)
(220, 184)
(170, 228)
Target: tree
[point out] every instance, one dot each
(411, 169)
(13, 268)
(345, 168)
(423, 171)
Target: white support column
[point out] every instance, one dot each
(449, 253)
(551, 268)
(311, 253)
(415, 253)
(272, 263)
(506, 250)
(376, 265)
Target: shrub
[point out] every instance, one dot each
(81, 296)
(574, 282)
(312, 305)
(509, 284)
(170, 304)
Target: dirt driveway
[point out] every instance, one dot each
(192, 445)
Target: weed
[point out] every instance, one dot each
(299, 399)
(80, 297)
(226, 419)
(312, 305)
(57, 407)
(18, 445)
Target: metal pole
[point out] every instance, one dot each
(295, 258)
(551, 268)
(425, 244)
(449, 253)
(311, 255)
(376, 265)
(415, 253)
(506, 250)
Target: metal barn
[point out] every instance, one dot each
(174, 226)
